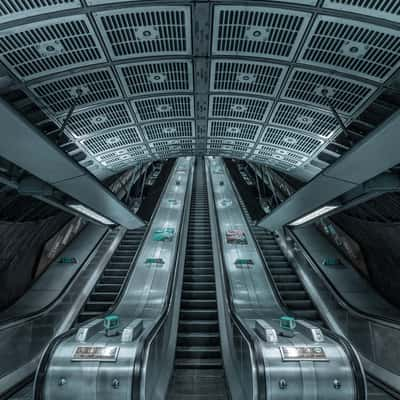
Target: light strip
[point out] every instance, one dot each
(90, 213)
(312, 215)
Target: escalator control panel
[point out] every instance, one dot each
(111, 325)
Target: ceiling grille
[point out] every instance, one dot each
(346, 95)
(60, 94)
(132, 153)
(234, 130)
(280, 155)
(146, 31)
(229, 145)
(167, 107)
(364, 49)
(272, 162)
(257, 31)
(247, 108)
(157, 77)
(291, 140)
(180, 145)
(97, 119)
(247, 77)
(388, 9)
(112, 140)
(15, 9)
(169, 130)
(304, 119)
(43, 48)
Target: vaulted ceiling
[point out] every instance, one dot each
(250, 80)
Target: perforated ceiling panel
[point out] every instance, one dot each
(304, 119)
(49, 47)
(291, 140)
(146, 31)
(234, 78)
(156, 77)
(97, 119)
(165, 107)
(169, 130)
(95, 86)
(346, 95)
(246, 77)
(257, 31)
(237, 107)
(15, 9)
(353, 47)
(112, 140)
(388, 9)
(234, 130)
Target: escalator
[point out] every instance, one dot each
(113, 278)
(289, 285)
(198, 360)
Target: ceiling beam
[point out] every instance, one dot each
(374, 155)
(24, 145)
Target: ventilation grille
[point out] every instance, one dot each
(146, 31)
(246, 108)
(169, 130)
(15, 9)
(257, 31)
(43, 48)
(99, 118)
(291, 140)
(229, 145)
(304, 119)
(246, 77)
(168, 107)
(346, 95)
(156, 77)
(351, 46)
(112, 140)
(234, 130)
(131, 154)
(60, 94)
(276, 155)
(168, 146)
(272, 162)
(388, 9)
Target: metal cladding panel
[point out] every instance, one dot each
(164, 107)
(387, 9)
(146, 31)
(156, 77)
(346, 95)
(233, 130)
(304, 119)
(358, 48)
(112, 140)
(97, 85)
(169, 130)
(257, 31)
(97, 119)
(246, 77)
(11, 10)
(290, 140)
(237, 107)
(51, 46)
(280, 155)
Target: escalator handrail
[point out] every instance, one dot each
(377, 319)
(358, 371)
(249, 335)
(49, 351)
(147, 337)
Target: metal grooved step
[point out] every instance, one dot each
(114, 275)
(289, 285)
(199, 370)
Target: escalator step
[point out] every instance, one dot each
(198, 339)
(198, 352)
(192, 326)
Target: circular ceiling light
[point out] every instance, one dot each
(156, 78)
(169, 130)
(51, 48)
(281, 151)
(277, 157)
(289, 140)
(304, 120)
(354, 49)
(233, 130)
(239, 108)
(147, 33)
(162, 108)
(79, 91)
(325, 91)
(256, 33)
(113, 140)
(99, 119)
(246, 78)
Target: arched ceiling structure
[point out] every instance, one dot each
(241, 79)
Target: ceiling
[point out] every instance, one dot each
(238, 79)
